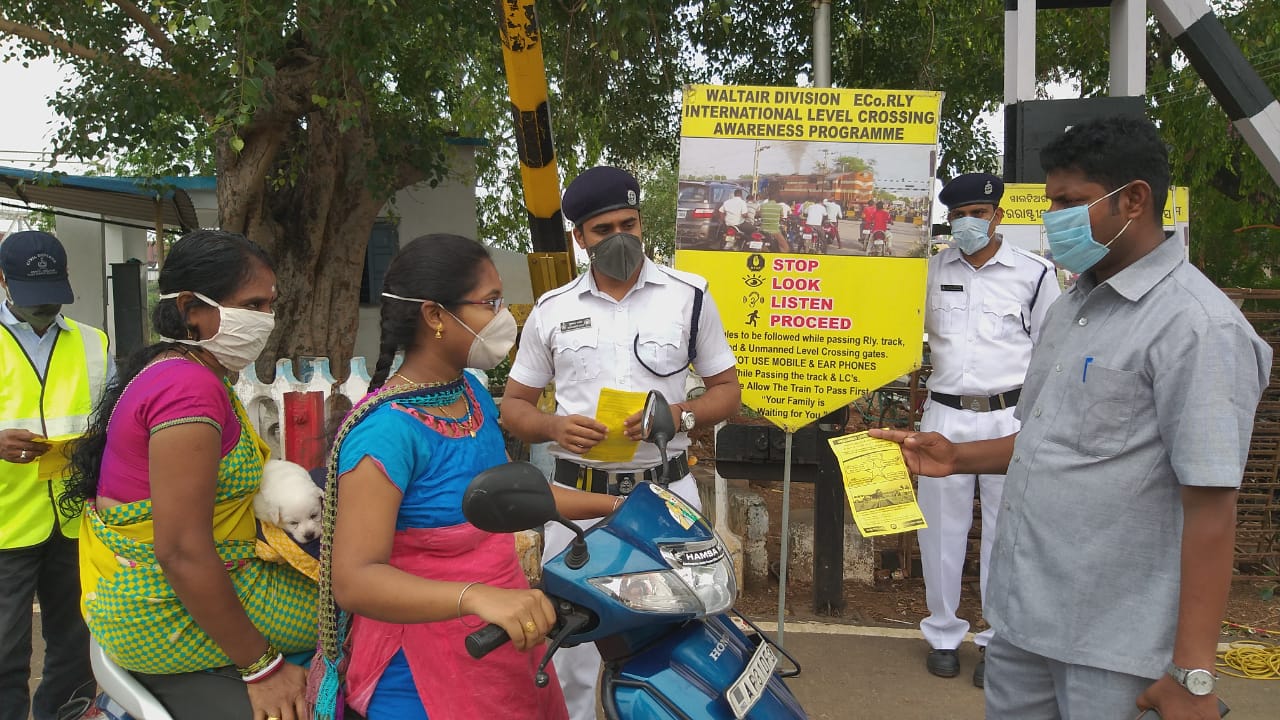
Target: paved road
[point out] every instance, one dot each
(852, 672)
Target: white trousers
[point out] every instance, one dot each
(579, 667)
(947, 505)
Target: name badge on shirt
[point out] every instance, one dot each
(579, 324)
(952, 288)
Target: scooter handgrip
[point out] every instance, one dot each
(486, 640)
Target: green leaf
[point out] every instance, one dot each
(319, 100)
(237, 143)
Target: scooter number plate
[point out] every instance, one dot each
(750, 685)
(756, 245)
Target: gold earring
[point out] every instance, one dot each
(439, 331)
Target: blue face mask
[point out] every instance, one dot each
(971, 234)
(1070, 236)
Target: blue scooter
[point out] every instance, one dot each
(653, 587)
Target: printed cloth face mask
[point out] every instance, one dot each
(1070, 236)
(617, 255)
(241, 336)
(37, 316)
(971, 234)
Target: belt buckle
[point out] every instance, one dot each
(976, 403)
(626, 482)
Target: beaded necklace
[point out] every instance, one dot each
(434, 394)
(441, 398)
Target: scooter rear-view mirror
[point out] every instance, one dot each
(509, 498)
(656, 423)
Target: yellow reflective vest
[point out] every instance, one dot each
(54, 406)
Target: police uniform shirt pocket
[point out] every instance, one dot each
(662, 348)
(1001, 319)
(1097, 419)
(576, 358)
(948, 310)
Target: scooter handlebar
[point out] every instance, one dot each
(486, 640)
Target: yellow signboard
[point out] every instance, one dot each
(811, 114)
(1024, 203)
(813, 333)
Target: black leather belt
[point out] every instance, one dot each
(616, 482)
(978, 403)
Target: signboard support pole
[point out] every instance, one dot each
(828, 520)
(786, 535)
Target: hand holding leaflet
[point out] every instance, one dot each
(612, 409)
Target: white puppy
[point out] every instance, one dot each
(289, 500)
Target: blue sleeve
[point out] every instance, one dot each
(392, 438)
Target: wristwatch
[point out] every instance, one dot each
(1197, 681)
(686, 419)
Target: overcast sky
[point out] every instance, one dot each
(25, 119)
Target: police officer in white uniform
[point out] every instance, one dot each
(628, 324)
(986, 301)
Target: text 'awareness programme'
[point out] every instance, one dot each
(835, 115)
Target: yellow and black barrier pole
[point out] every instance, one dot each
(551, 262)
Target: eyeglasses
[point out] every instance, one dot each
(496, 304)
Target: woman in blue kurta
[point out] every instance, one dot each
(413, 574)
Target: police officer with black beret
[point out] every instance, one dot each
(628, 324)
(986, 301)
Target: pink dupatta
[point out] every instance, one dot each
(451, 684)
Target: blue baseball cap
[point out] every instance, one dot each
(598, 190)
(35, 269)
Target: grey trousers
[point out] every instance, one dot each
(49, 572)
(1024, 686)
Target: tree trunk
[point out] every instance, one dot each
(313, 213)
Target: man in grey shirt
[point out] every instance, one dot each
(1113, 557)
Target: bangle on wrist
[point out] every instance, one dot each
(263, 667)
(616, 502)
(464, 592)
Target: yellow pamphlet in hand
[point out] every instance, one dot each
(877, 484)
(612, 409)
(54, 463)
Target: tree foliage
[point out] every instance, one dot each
(314, 113)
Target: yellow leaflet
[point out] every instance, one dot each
(877, 484)
(53, 464)
(613, 407)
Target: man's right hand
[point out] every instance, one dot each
(926, 453)
(21, 446)
(578, 433)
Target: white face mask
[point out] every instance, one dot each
(493, 342)
(241, 336)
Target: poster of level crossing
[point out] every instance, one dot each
(807, 210)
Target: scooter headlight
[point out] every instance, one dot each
(700, 581)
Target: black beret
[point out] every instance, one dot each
(971, 189)
(600, 189)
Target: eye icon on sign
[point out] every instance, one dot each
(753, 281)
(755, 262)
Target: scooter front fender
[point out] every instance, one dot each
(685, 675)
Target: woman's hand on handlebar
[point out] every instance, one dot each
(283, 695)
(526, 615)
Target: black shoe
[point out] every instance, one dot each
(943, 663)
(980, 670)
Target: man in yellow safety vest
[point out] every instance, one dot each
(52, 372)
